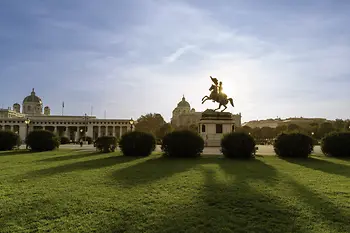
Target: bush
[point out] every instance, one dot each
(137, 144)
(182, 143)
(336, 144)
(42, 140)
(106, 144)
(8, 140)
(64, 140)
(238, 145)
(293, 145)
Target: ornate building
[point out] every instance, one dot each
(183, 115)
(32, 117)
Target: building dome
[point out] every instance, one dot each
(183, 103)
(32, 98)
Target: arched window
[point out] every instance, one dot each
(203, 128)
(29, 108)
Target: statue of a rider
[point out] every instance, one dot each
(217, 92)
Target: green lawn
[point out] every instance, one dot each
(70, 191)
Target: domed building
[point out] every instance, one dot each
(32, 105)
(183, 115)
(34, 117)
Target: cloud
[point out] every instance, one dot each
(141, 61)
(177, 54)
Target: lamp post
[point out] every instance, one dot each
(27, 122)
(131, 124)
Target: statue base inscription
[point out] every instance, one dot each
(214, 125)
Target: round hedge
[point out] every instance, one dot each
(137, 144)
(8, 140)
(238, 145)
(42, 140)
(336, 144)
(182, 143)
(64, 140)
(106, 144)
(293, 145)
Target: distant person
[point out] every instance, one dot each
(81, 143)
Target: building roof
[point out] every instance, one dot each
(32, 98)
(183, 103)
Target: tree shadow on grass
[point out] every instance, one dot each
(336, 218)
(83, 165)
(68, 157)
(322, 165)
(15, 152)
(157, 168)
(230, 205)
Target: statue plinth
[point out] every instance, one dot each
(214, 125)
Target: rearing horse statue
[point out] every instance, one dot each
(218, 96)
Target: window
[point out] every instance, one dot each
(203, 128)
(233, 128)
(218, 128)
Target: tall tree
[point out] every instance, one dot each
(150, 123)
(164, 130)
(324, 129)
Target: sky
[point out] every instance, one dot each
(276, 58)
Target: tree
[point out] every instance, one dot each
(339, 124)
(267, 132)
(293, 127)
(280, 129)
(150, 123)
(164, 130)
(324, 129)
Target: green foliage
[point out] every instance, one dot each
(106, 144)
(164, 130)
(238, 145)
(8, 140)
(324, 129)
(182, 143)
(64, 140)
(293, 127)
(150, 123)
(42, 140)
(336, 144)
(137, 144)
(293, 145)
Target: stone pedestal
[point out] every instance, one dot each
(214, 125)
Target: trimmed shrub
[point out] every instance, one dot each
(293, 145)
(137, 144)
(336, 144)
(42, 140)
(106, 144)
(8, 140)
(64, 140)
(182, 143)
(238, 145)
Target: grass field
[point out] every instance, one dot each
(71, 191)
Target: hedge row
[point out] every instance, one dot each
(189, 144)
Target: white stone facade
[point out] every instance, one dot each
(73, 127)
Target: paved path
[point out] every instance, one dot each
(263, 150)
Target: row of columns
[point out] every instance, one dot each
(72, 132)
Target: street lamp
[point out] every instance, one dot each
(131, 124)
(312, 133)
(27, 122)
